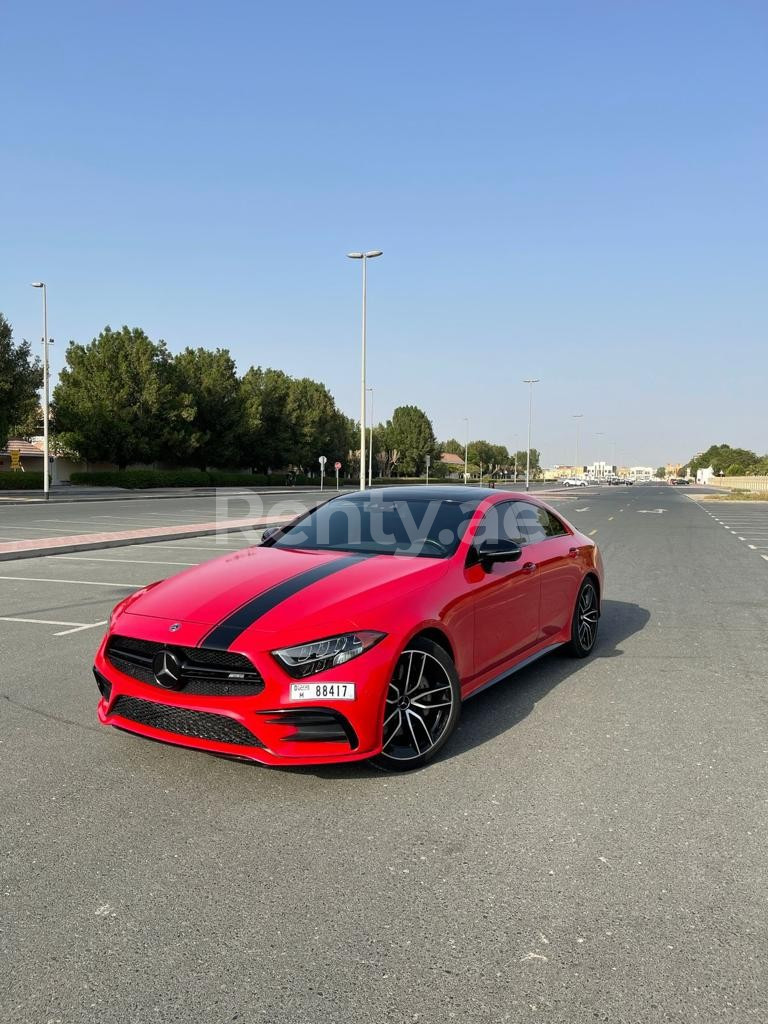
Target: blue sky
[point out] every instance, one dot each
(574, 191)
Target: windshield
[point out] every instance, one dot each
(423, 527)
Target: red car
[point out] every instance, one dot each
(354, 632)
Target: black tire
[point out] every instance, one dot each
(586, 616)
(422, 708)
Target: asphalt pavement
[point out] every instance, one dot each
(590, 845)
(63, 519)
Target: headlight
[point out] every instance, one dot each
(320, 655)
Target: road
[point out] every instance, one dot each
(590, 846)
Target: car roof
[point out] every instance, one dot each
(445, 492)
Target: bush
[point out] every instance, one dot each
(140, 478)
(21, 481)
(148, 478)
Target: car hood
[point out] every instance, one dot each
(272, 589)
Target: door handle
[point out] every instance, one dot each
(573, 552)
(530, 567)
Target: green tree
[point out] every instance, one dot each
(409, 438)
(660, 473)
(317, 427)
(721, 457)
(208, 387)
(21, 377)
(452, 447)
(116, 400)
(266, 440)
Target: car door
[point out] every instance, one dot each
(505, 598)
(552, 547)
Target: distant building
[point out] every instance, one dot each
(703, 476)
(640, 472)
(448, 459)
(564, 472)
(600, 470)
(30, 456)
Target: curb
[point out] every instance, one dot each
(16, 499)
(61, 546)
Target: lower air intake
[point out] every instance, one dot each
(199, 725)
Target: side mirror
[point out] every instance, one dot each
(270, 533)
(491, 552)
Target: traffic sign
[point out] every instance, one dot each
(322, 460)
(337, 466)
(15, 458)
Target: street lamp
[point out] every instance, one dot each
(364, 256)
(530, 381)
(577, 416)
(46, 476)
(370, 457)
(466, 450)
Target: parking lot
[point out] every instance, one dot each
(591, 844)
(745, 520)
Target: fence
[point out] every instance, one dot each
(741, 483)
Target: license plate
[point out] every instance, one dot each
(322, 691)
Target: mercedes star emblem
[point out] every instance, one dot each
(167, 669)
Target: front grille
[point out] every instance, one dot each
(203, 672)
(201, 725)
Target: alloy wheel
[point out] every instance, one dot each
(419, 706)
(587, 616)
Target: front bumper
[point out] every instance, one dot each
(267, 727)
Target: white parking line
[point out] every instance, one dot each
(49, 622)
(79, 629)
(83, 583)
(124, 561)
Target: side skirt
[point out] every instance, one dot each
(511, 671)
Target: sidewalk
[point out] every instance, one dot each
(68, 494)
(11, 550)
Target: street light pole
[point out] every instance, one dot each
(46, 469)
(577, 416)
(530, 381)
(370, 455)
(466, 450)
(364, 256)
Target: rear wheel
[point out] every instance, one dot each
(586, 615)
(422, 707)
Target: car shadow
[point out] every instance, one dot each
(511, 700)
(502, 706)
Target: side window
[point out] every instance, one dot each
(537, 524)
(551, 524)
(499, 523)
(528, 523)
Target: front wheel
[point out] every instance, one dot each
(586, 615)
(422, 707)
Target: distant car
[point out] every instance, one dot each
(355, 631)
(629, 482)
(571, 481)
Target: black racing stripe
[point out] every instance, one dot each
(228, 630)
